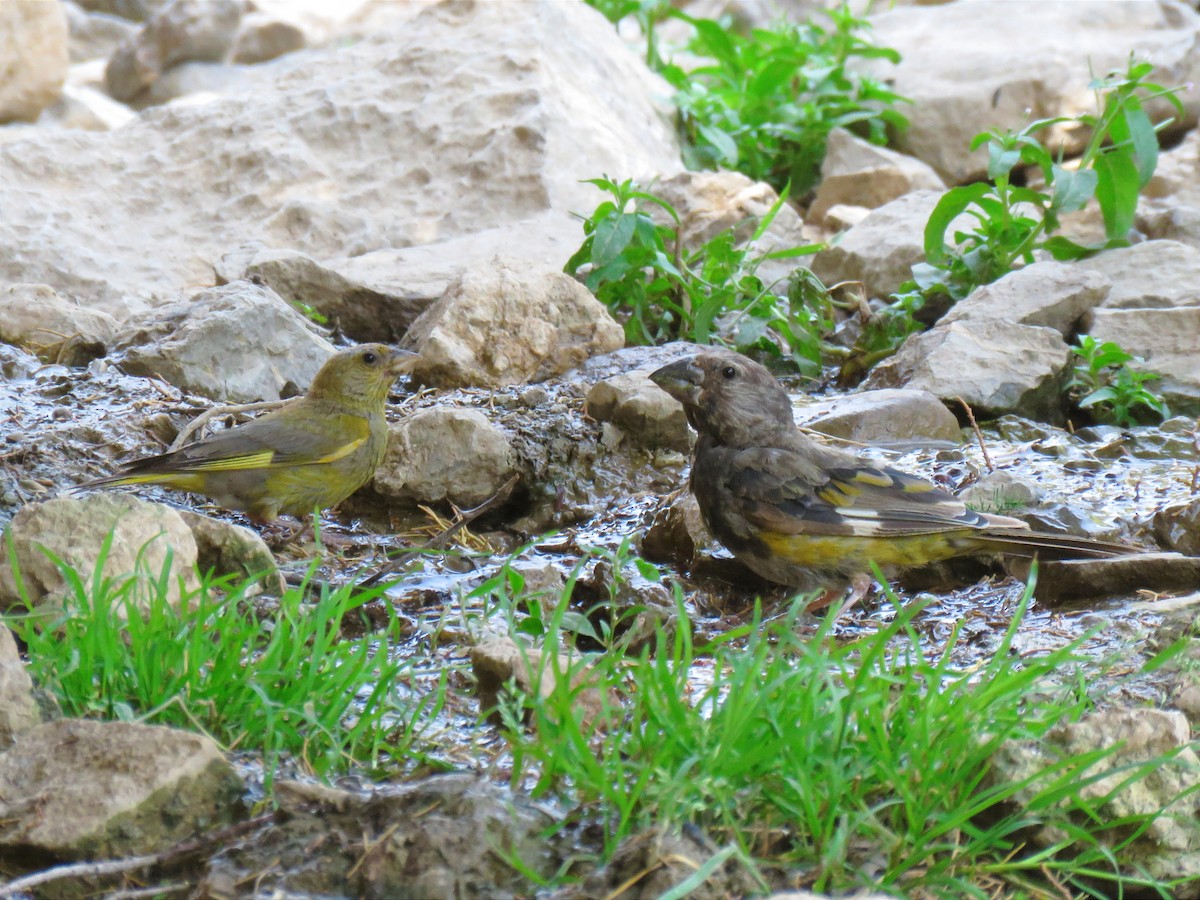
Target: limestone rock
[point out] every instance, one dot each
(83, 107)
(79, 789)
(649, 415)
(711, 202)
(1166, 342)
(1062, 581)
(94, 35)
(360, 309)
(1169, 206)
(33, 57)
(144, 536)
(880, 416)
(342, 151)
(445, 453)
(999, 491)
(996, 367)
(182, 31)
(960, 70)
(1053, 294)
(223, 548)
(263, 37)
(507, 325)
(35, 317)
(1175, 281)
(239, 343)
(501, 661)
(858, 173)
(1177, 527)
(880, 250)
(1170, 846)
(18, 709)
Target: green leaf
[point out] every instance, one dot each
(1072, 189)
(949, 207)
(612, 237)
(1062, 248)
(1117, 190)
(725, 146)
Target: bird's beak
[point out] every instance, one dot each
(402, 361)
(681, 380)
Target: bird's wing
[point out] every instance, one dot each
(287, 437)
(783, 491)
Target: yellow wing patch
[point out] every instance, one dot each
(260, 460)
(343, 451)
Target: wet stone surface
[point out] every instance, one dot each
(580, 496)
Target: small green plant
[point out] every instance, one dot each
(661, 291)
(120, 649)
(849, 765)
(767, 101)
(1104, 384)
(1013, 222)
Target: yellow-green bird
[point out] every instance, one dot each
(311, 454)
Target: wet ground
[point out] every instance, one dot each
(582, 500)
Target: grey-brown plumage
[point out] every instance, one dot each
(799, 513)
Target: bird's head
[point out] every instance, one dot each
(728, 397)
(360, 377)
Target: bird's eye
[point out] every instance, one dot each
(729, 372)
(370, 357)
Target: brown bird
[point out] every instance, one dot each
(310, 454)
(798, 513)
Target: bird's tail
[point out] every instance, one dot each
(1052, 546)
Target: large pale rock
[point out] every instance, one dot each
(880, 250)
(342, 151)
(1169, 206)
(996, 367)
(1150, 275)
(36, 318)
(182, 31)
(95, 35)
(33, 57)
(240, 343)
(507, 325)
(79, 789)
(883, 416)
(75, 529)
(1048, 293)
(377, 296)
(1170, 845)
(18, 710)
(641, 409)
(1166, 341)
(445, 453)
(858, 173)
(960, 70)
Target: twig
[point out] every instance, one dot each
(465, 518)
(987, 460)
(209, 414)
(133, 863)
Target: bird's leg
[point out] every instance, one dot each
(279, 534)
(860, 586)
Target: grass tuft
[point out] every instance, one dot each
(847, 765)
(280, 683)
